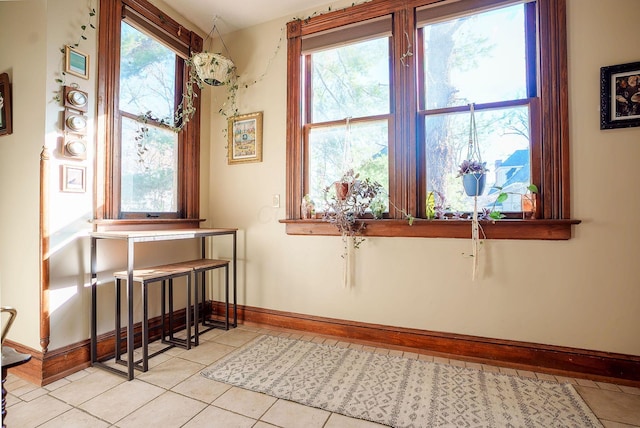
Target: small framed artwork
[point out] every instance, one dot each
(245, 138)
(74, 178)
(76, 62)
(5, 105)
(620, 96)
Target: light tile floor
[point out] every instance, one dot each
(174, 394)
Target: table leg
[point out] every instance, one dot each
(235, 289)
(130, 337)
(94, 285)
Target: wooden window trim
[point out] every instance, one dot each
(550, 150)
(107, 184)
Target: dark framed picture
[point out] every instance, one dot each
(76, 62)
(5, 105)
(245, 138)
(620, 96)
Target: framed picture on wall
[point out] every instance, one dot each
(76, 62)
(5, 105)
(74, 178)
(245, 138)
(620, 96)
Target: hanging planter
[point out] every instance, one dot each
(213, 69)
(474, 182)
(473, 172)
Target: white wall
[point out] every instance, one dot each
(582, 293)
(41, 28)
(23, 55)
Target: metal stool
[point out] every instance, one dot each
(146, 277)
(200, 266)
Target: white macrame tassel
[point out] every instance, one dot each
(475, 237)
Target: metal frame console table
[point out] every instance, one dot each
(132, 238)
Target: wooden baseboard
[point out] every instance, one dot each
(563, 361)
(556, 360)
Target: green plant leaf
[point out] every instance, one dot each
(501, 198)
(532, 188)
(496, 215)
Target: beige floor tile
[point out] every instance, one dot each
(207, 352)
(395, 353)
(527, 374)
(570, 380)
(508, 371)
(630, 390)
(288, 414)
(87, 387)
(236, 337)
(248, 403)
(424, 357)
(200, 388)
(544, 376)
(491, 369)
(381, 351)
(609, 386)
(57, 384)
(11, 400)
(440, 360)
(75, 418)
(474, 366)
(340, 421)
(168, 410)
(609, 424)
(35, 413)
(261, 424)
(587, 382)
(38, 392)
(215, 417)
(170, 373)
(14, 382)
(125, 398)
(77, 375)
(457, 363)
(212, 334)
(23, 389)
(612, 406)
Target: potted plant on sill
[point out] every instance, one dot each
(473, 173)
(346, 202)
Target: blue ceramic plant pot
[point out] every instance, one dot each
(473, 184)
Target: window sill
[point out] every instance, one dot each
(100, 225)
(421, 228)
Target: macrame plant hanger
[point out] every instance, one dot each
(473, 153)
(214, 69)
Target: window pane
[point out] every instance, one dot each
(149, 168)
(475, 59)
(503, 137)
(333, 150)
(351, 81)
(147, 75)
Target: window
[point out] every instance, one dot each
(150, 171)
(348, 110)
(481, 59)
(386, 91)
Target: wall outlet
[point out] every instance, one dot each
(275, 201)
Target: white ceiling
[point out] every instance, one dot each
(236, 14)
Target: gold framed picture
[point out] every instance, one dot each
(245, 138)
(76, 62)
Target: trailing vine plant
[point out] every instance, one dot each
(83, 36)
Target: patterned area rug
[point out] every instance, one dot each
(396, 391)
